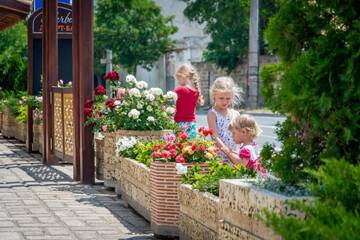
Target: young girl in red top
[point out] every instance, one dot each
(189, 95)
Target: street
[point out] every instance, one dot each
(266, 123)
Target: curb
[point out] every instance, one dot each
(244, 111)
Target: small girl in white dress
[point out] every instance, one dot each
(224, 93)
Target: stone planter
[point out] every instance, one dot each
(20, 131)
(240, 202)
(99, 157)
(199, 214)
(37, 137)
(110, 158)
(9, 124)
(164, 198)
(135, 185)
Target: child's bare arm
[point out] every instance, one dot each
(233, 157)
(211, 119)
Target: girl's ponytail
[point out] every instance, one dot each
(194, 77)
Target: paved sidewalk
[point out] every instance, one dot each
(42, 202)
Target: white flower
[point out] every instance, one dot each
(170, 110)
(117, 103)
(141, 85)
(134, 92)
(171, 95)
(156, 91)
(151, 119)
(139, 106)
(134, 114)
(150, 97)
(180, 169)
(149, 108)
(130, 79)
(39, 98)
(125, 143)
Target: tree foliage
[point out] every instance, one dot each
(227, 22)
(333, 213)
(319, 45)
(134, 29)
(13, 58)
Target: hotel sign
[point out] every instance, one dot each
(64, 21)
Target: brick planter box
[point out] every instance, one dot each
(135, 185)
(199, 214)
(110, 158)
(9, 124)
(37, 137)
(240, 202)
(164, 198)
(20, 131)
(99, 157)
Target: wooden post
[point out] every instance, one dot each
(50, 75)
(83, 74)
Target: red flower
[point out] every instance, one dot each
(156, 154)
(100, 90)
(88, 112)
(193, 147)
(110, 103)
(180, 159)
(179, 145)
(183, 136)
(89, 103)
(172, 153)
(165, 154)
(202, 148)
(112, 76)
(156, 148)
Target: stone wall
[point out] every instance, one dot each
(9, 124)
(110, 158)
(20, 131)
(240, 203)
(199, 214)
(209, 72)
(99, 157)
(135, 185)
(37, 137)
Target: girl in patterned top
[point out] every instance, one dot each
(224, 93)
(244, 130)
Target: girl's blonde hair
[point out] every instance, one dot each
(226, 84)
(190, 71)
(247, 122)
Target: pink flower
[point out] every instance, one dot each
(105, 128)
(180, 159)
(165, 154)
(120, 92)
(169, 138)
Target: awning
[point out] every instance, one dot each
(13, 11)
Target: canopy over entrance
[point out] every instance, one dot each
(13, 11)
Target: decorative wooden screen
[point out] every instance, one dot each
(63, 123)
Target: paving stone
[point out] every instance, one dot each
(35, 205)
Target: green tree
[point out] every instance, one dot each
(227, 22)
(134, 29)
(13, 58)
(319, 46)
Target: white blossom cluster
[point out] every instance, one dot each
(125, 143)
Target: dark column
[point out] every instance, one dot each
(30, 89)
(83, 74)
(50, 75)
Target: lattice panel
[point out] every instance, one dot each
(58, 130)
(68, 123)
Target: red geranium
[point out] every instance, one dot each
(180, 159)
(88, 112)
(206, 132)
(100, 90)
(183, 136)
(165, 154)
(89, 103)
(112, 76)
(110, 103)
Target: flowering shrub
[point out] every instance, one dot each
(138, 150)
(61, 84)
(99, 111)
(178, 148)
(135, 107)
